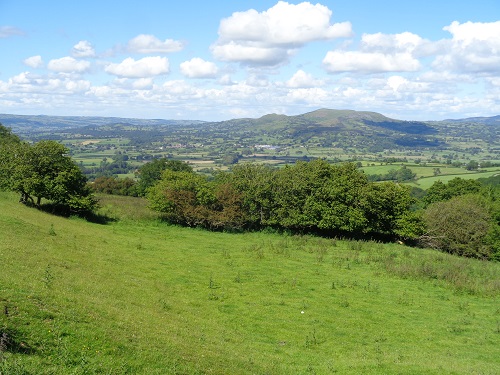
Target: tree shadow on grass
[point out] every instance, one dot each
(64, 211)
(11, 342)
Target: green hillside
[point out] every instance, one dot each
(137, 296)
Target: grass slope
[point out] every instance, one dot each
(142, 297)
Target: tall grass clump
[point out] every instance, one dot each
(473, 276)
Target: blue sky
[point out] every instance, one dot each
(421, 60)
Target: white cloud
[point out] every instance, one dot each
(226, 80)
(369, 62)
(21, 79)
(390, 43)
(83, 49)
(198, 68)
(7, 31)
(28, 83)
(250, 54)
(142, 68)
(474, 47)
(311, 96)
(404, 85)
(302, 79)
(380, 53)
(34, 61)
(143, 84)
(68, 65)
(257, 81)
(472, 32)
(395, 82)
(145, 43)
(133, 84)
(269, 37)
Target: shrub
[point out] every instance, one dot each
(463, 226)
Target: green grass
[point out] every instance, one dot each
(421, 171)
(427, 182)
(137, 296)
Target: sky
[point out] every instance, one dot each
(224, 59)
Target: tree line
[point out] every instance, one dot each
(460, 217)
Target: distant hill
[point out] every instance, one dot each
(26, 122)
(323, 120)
(370, 131)
(494, 120)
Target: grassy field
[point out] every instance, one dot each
(426, 182)
(137, 296)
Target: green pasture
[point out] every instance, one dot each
(133, 295)
(425, 183)
(420, 170)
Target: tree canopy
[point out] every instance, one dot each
(150, 173)
(308, 196)
(43, 171)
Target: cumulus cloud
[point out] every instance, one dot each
(391, 43)
(28, 83)
(269, 37)
(145, 43)
(226, 80)
(198, 68)
(380, 53)
(312, 96)
(143, 84)
(68, 65)
(402, 84)
(21, 78)
(142, 68)
(7, 31)
(474, 47)
(34, 61)
(369, 62)
(251, 54)
(83, 49)
(302, 79)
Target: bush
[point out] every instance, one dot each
(462, 225)
(115, 186)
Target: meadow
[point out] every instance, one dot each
(130, 294)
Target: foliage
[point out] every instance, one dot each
(254, 182)
(230, 159)
(9, 146)
(472, 165)
(458, 186)
(150, 173)
(44, 171)
(190, 199)
(400, 175)
(387, 209)
(464, 226)
(309, 196)
(6, 135)
(115, 185)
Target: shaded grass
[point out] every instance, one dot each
(125, 208)
(142, 297)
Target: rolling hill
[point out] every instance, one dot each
(138, 296)
(361, 130)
